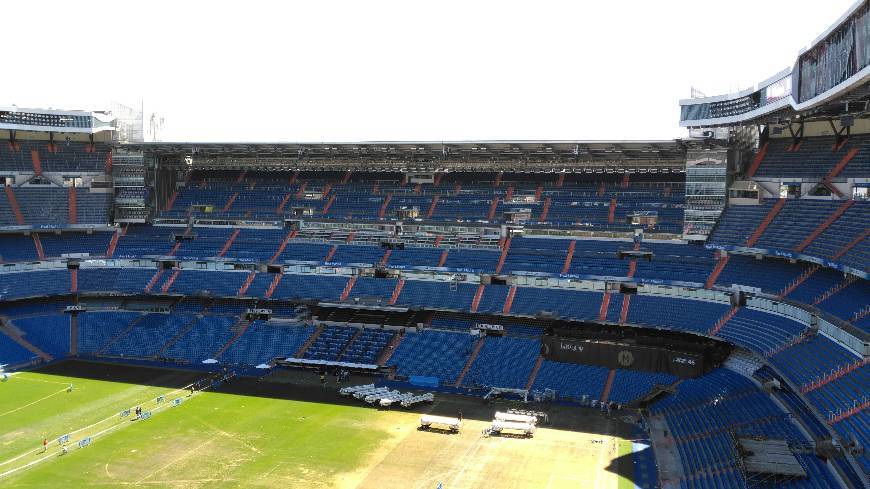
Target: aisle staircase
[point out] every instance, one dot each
(469, 363)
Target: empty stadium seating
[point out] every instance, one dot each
(794, 223)
(815, 158)
(440, 354)
(581, 199)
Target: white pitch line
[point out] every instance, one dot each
(32, 403)
(19, 376)
(175, 461)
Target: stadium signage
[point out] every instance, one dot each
(792, 256)
(620, 355)
(490, 327)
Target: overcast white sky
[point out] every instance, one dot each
(404, 70)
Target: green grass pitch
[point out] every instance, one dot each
(211, 440)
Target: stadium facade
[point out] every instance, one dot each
(696, 276)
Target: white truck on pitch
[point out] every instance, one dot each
(453, 424)
(518, 418)
(526, 429)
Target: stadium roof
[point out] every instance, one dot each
(395, 155)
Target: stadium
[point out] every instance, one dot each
(687, 313)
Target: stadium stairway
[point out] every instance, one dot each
(181, 334)
(605, 392)
(717, 270)
(848, 247)
(840, 372)
(348, 288)
(850, 412)
(838, 168)
(509, 300)
(171, 202)
(290, 235)
(36, 161)
(798, 281)
(545, 210)
(765, 222)
(113, 243)
(154, 279)
(229, 204)
(169, 281)
(626, 304)
(849, 280)
(824, 225)
(400, 284)
(120, 335)
(240, 327)
(229, 242)
(432, 206)
(386, 257)
(492, 208)
(611, 213)
(605, 305)
(471, 358)
(280, 209)
(72, 205)
(504, 252)
(569, 256)
(273, 285)
(15, 335)
(534, 374)
(328, 204)
(722, 321)
(477, 296)
(37, 243)
(331, 253)
(300, 353)
(443, 258)
(73, 280)
(756, 161)
(13, 203)
(347, 345)
(244, 288)
(391, 347)
(383, 210)
(301, 192)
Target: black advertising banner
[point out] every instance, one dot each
(624, 356)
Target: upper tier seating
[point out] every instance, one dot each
(50, 205)
(795, 222)
(63, 157)
(815, 158)
(582, 199)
